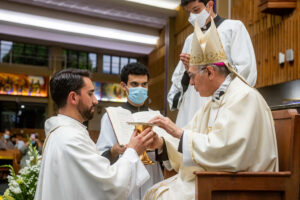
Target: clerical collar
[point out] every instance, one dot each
(134, 109)
(218, 20)
(223, 87)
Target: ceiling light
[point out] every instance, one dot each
(75, 27)
(172, 5)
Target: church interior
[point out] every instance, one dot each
(40, 37)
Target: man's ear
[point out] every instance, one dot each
(123, 85)
(210, 72)
(73, 97)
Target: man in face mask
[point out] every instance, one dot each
(5, 142)
(238, 48)
(134, 81)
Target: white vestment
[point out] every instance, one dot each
(235, 133)
(107, 139)
(240, 54)
(73, 169)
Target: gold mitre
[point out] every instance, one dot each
(207, 49)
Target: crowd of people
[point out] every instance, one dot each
(20, 143)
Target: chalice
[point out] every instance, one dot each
(140, 127)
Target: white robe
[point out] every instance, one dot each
(107, 139)
(239, 51)
(73, 169)
(241, 137)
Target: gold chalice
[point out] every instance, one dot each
(140, 127)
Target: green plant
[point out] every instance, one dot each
(22, 186)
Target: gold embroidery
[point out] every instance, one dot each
(209, 129)
(208, 58)
(153, 192)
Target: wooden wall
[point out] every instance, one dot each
(182, 29)
(156, 64)
(270, 35)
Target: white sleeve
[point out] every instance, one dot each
(242, 53)
(176, 91)
(139, 173)
(186, 157)
(107, 136)
(115, 181)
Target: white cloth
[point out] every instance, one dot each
(107, 139)
(235, 133)
(72, 167)
(239, 51)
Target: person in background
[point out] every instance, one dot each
(18, 143)
(35, 142)
(5, 142)
(134, 81)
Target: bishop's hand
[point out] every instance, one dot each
(166, 124)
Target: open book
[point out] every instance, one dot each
(120, 117)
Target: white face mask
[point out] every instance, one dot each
(201, 17)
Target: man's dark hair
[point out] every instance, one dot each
(64, 82)
(135, 69)
(186, 2)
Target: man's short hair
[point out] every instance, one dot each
(186, 2)
(66, 81)
(134, 69)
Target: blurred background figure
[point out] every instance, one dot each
(5, 142)
(33, 139)
(17, 142)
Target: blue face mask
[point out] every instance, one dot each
(6, 137)
(33, 142)
(138, 95)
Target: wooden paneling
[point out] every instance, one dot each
(181, 20)
(182, 29)
(270, 35)
(180, 39)
(277, 6)
(156, 64)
